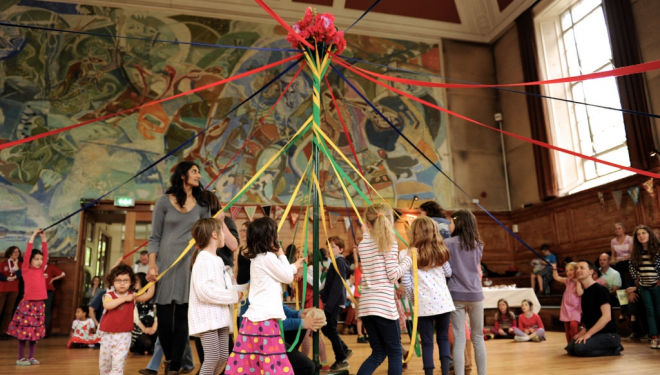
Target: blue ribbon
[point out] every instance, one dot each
(372, 6)
(628, 111)
(150, 40)
(476, 202)
(175, 150)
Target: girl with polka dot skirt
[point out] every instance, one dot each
(28, 323)
(259, 348)
(435, 303)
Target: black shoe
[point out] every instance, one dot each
(339, 365)
(362, 340)
(348, 353)
(146, 371)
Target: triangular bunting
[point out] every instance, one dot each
(278, 210)
(235, 210)
(617, 195)
(601, 199)
(634, 194)
(293, 217)
(347, 222)
(266, 210)
(250, 210)
(649, 186)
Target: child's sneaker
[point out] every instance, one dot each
(655, 342)
(23, 362)
(362, 340)
(521, 338)
(33, 361)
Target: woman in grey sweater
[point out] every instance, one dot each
(173, 217)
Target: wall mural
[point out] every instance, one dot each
(49, 80)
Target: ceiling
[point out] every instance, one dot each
(417, 20)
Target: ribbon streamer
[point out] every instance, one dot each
(286, 26)
(372, 6)
(201, 88)
(149, 40)
(523, 138)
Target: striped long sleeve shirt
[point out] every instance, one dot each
(379, 273)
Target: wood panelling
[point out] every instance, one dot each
(64, 304)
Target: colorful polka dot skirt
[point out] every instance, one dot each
(28, 321)
(259, 349)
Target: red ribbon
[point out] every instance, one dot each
(623, 71)
(526, 139)
(284, 24)
(201, 88)
(348, 135)
(134, 250)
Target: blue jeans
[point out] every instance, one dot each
(651, 298)
(385, 341)
(426, 329)
(157, 357)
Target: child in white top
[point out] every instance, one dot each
(258, 345)
(434, 299)
(211, 295)
(83, 330)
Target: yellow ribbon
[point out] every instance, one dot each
(293, 196)
(413, 336)
(191, 243)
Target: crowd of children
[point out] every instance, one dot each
(449, 298)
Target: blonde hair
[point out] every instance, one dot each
(572, 265)
(379, 216)
(425, 237)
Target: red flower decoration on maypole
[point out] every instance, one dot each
(318, 29)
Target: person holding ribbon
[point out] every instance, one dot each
(174, 215)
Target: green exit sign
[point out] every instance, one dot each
(124, 202)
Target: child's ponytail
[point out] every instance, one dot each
(379, 216)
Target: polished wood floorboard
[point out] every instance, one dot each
(504, 357)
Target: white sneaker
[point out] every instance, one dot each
(521, 338)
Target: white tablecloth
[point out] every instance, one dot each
(512, 295)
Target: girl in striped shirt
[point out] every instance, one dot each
(645, 270)
(378, 253)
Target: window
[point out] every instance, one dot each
(573, 40)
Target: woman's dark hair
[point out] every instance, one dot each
(653, 246)
(176, 185)
(465, 227)
(142, 278)
(121, 269)
(35, 252)
(212, 200)
(261, 237)
(10, 250)
(433, 209)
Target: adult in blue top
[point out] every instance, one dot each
(433, 210)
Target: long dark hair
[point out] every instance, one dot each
(653, 246)
(509, 313)
(261, 237)
(433, 209)
(466, 229)
(10, 250)
(176, 185)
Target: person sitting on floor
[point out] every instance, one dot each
(598, 335)
(530, 325)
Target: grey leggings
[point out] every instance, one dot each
(216, 350)
(457, 319)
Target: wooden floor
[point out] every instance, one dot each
(504, 357)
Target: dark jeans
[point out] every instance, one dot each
(600, 344)
(651, 298)
(330, 331)
(441, 329)
(300, 363)
(385, 341)
(173, 332)
(49, 308)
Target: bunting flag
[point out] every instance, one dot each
(293, 217)
(235, 210)
(617, 195)
(266, 210)
(250, 210)
(347, 222)
(278, 210)
(601, 199)
(331, 220)
(634, 194)
(649, 186)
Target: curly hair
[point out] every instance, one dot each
(653, 245)
(121, 269)
(10, 250)
(177, 181)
